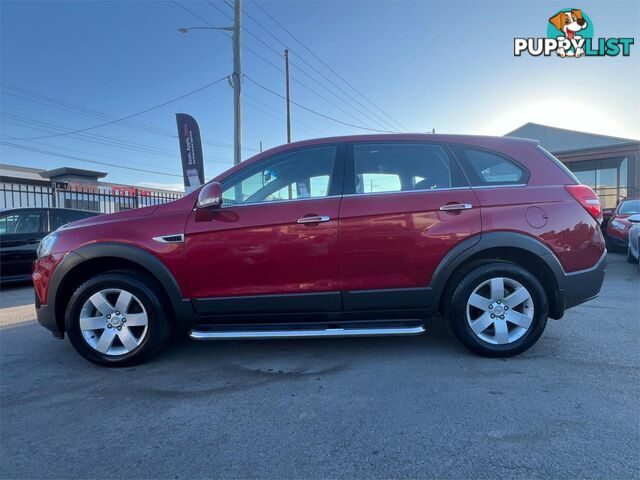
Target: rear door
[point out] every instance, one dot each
(408, 205)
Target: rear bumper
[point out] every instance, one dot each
(579, 287)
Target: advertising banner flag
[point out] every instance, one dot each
(190, 151)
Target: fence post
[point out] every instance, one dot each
(54, 195)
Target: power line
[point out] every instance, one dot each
(379, 120)
(314, 112)
(122, 118)
(275, 66)
(51, 102)
(38, 125)
(80, 159)
(328, 66)
(307, 74)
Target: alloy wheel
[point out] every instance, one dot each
(113, 321)
(500, 311)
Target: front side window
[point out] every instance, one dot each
(401, 167)
(297, 175)
(487, 169)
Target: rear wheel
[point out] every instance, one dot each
(117, 319)
(498, 309)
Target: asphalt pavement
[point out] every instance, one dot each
(331, 408)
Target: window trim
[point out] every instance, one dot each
(350, 168)
(336, 183)
(493, 152)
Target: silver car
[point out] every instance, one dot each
(633, 250)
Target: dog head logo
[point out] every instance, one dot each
(570, 26)
(570, 34)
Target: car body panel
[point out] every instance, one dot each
(260, 249)
(578, 243)
(396, 240)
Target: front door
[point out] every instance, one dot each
(272, 247)
(408, 206)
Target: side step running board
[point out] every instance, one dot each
(304, 333)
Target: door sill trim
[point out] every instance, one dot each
(304, 333)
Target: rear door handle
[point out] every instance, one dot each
(456, 206)
(314, 219)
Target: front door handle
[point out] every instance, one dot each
(456, 206)
(314, 219)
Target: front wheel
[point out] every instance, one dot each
(117, 319)
(498, 309)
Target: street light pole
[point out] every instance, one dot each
(236, 76)
(237, 82)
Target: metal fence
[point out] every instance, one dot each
(97, 198)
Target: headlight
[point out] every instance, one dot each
(617, 225)
(46, 245)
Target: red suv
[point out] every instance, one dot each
(363, 235)
(619, 224)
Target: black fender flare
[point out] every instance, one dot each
(485, 241)
(181, 307)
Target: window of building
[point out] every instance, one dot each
(398, 167)
(607, 177)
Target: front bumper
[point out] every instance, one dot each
(579, 287)
(46, 315)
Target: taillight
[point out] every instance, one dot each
(587, 198)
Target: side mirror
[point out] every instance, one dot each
(210, 196)
(634, 218)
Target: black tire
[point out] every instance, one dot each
(455, 312)
(630, 258)
(146, 291)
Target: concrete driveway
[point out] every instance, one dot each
(349, 408)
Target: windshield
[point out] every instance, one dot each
(630, 207)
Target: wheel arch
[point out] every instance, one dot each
(101, 257)
(517, 248)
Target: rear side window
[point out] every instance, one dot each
(401, 167)
(486, 168)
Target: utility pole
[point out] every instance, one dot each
(237, 82)
(286, 69)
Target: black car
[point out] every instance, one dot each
(21, 230)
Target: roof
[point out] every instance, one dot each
(558, 140)
(72, 172)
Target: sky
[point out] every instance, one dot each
(418, 66)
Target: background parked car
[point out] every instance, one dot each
(618, 227)
(633, 248)
(21, 230)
